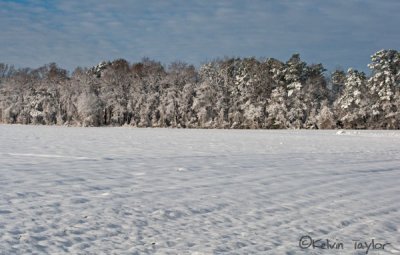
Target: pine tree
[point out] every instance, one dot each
(352, 105)
(384, 84)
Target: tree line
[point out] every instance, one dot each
(243, 93)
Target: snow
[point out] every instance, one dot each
(174, 191)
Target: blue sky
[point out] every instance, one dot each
(337, 33)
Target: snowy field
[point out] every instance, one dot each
(173, 191)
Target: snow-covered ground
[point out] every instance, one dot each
(174, 191)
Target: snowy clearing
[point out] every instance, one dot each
(173, 191)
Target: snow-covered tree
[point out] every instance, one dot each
(325, 118)
(168, 108)
(353, 106)
(295, 75)
(89, 109)
(383, 85)
(204, 105)
(338, 78)
(212, 98)
(224, 93)
(277, 110)
(187, 117)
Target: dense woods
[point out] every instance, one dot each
(228, 93)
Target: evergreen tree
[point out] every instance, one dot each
(228, 93)
(384, 84)
(352, 105)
